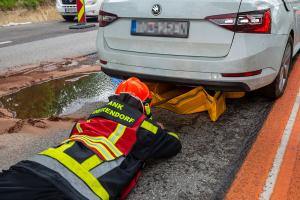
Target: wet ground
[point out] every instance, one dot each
(58, 97)
(212, 151)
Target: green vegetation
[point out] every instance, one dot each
(28, 4)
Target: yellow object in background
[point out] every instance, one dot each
(189, 100)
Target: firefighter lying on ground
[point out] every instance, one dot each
(103, 157)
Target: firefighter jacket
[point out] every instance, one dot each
(104, 155)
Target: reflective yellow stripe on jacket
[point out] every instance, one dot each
(79, 170)
(79, 129)
(98, 145)
(117, 134)
(149, 126)
(174, 135)
(100, 139)
(91, 162)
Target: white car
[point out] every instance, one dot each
(68, 9)
(235, 45)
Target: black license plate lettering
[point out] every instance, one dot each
(160, 28)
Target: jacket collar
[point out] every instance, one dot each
(130, 100)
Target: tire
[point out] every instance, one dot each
(277, 87)
(69, 18)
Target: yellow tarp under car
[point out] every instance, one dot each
(188, 100)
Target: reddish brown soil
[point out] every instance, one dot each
(14, 80)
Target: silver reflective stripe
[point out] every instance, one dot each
(76, 182)
(115, 136)
(106, 167)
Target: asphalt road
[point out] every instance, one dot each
(212, 151)
(19, 146)
(35, 43)
(211, 155)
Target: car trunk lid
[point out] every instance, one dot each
(205, 39)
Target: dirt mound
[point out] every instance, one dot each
(4, 113)
(37, 123)
(16, 127)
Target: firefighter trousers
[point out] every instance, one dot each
(19, 184)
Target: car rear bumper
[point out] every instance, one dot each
(192, 78)
(248, 53)
(224, 86)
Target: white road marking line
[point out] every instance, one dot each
(16, 24)
(273, 174)
(6, 42)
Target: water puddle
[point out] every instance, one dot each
(59, 97)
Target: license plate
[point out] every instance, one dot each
(159, 28)
(71, 10)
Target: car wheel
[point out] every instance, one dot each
(277, 87)
(69, 18)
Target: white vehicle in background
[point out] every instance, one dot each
(235, 45)
(68, 9)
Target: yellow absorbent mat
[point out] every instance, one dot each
(188, 100)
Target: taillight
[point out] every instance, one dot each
(106, 18)
(246, 22)
(243, 74)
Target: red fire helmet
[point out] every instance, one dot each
(135, 87)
